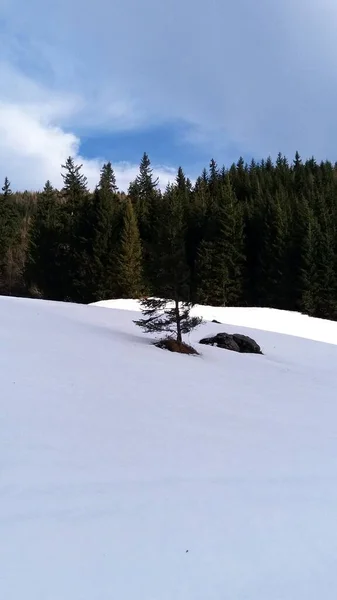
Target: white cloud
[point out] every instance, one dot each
(33, 147)
(260, 77)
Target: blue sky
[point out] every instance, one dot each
(184, 80)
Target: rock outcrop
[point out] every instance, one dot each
(235, 342)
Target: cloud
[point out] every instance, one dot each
(33, 147)
(260, 77)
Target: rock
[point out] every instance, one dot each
(222, 340)
(215, 321)
(247, 344)
(235, 343)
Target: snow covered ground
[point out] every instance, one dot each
(129, 473)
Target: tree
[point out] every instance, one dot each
(129, 261)
(172, 275)
(220, 256)
(74, 182)
(7, 188)
(143, 191)
(101, 225)
(161, 316)
(144, 194)
(270, 276)
(75, 244)
(107, 183)
(10, 240)
(44, 270)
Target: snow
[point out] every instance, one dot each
(267, 319)
(117, 458)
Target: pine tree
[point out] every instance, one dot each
(107, 184)
(101, 224)
(129, 262)
(160, 315)
(10, 239)
(6, 188)
(144, 190)
(271, 275)
(74, 183)
(171, 312)
(44, 271)
(75, 245)
(220, 256)
(144, 195)
(307, 280)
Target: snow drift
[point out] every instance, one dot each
(130, 473)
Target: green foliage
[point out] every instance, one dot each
(263, 234)
(144, 195)
(220, 256)
(46, 250)
(6, 189)
(174, 318)
(101, 224)
(129, 260)
(74, 182)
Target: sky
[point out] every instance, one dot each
(184, 81)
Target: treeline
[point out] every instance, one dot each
(262, 234)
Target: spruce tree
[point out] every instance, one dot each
(307, 276)
(144, 194)
(76, 245)
(220, 256)
(271, 273)
(144, 190)
(10, 239)
(6, 189)
(174, 318)
(129, 260)
(170, 312)
(44, 272)
(102, 223)
(107, 183)
(74, 182)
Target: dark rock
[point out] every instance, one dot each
(247, 344)
(215, 321)
(235, 343)
(222, 340)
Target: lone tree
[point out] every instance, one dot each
(171, 312)
(7, 188)
(166, 316)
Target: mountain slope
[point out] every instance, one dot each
(117, 458)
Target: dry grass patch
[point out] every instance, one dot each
(173, 346)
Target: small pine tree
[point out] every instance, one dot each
(161, 316)
(6, 188)
(74, 182)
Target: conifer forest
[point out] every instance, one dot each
(258, 234)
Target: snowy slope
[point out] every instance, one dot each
(117, 457)
(267, 319)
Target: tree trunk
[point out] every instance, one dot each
(177, 313)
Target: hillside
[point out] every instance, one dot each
(129, 473)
